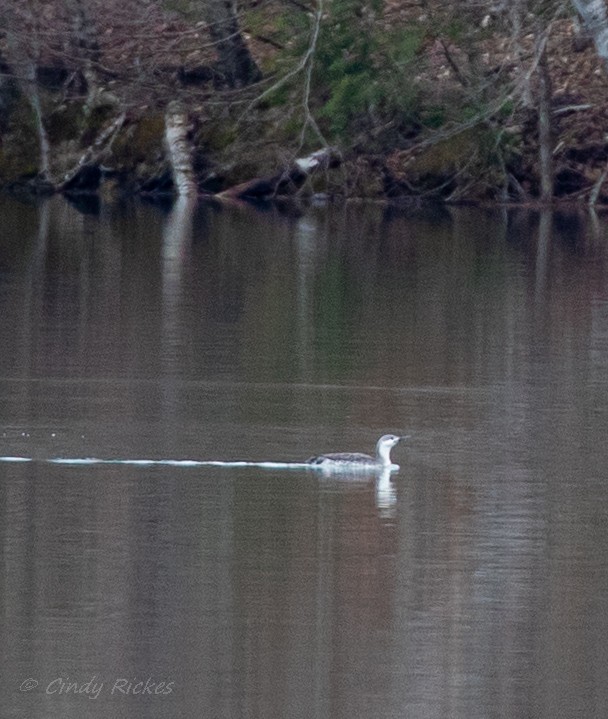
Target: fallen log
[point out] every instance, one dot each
(85, 176)
(286, 182)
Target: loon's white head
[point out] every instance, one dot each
(384, 446)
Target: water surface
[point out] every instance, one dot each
(471, 583)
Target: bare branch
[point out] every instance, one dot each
(305, 61)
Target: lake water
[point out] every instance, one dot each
(472, 583)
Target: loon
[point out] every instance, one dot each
(354, 460)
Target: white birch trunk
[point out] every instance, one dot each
(31, 92)
(179, 148)
(595, 20)
(25, 60)
(545, 139)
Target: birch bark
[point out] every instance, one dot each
(179, 147)
(595, 20)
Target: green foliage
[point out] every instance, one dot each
(507, 109)
(433, 117)
(403, 45)
(216, 136)
(351, 96)
(189, 9)
(344, 67)
(281, 96)
(361, 73)
(401, 57)
(456, 29)
(474, 157)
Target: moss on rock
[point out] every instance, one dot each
(19, 152)
(139, 142)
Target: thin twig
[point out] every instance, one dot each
(304, 61)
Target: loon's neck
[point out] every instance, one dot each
(383, 454)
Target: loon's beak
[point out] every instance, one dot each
(405, 436)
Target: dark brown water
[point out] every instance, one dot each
(473, 583)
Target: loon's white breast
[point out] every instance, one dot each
(353, 460)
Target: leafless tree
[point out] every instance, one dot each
(595, 20)
(85, 48)
(236, 67)
(23, 25)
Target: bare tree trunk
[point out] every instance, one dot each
(43, 138)
(24, 62)
(595, 19)
(545, 139)
(237, 68)
(179, 147)
(87, 49)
